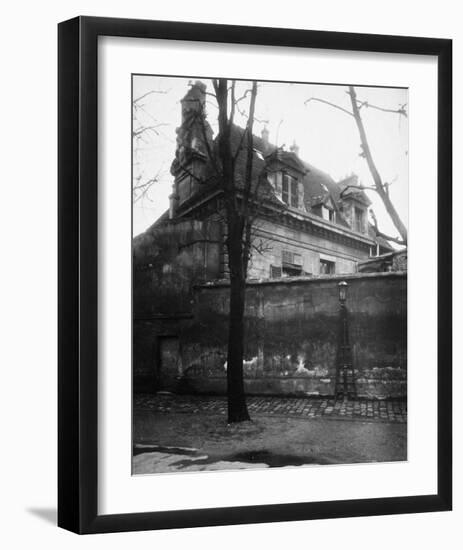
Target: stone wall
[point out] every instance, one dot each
(169, 259)
(292, 328)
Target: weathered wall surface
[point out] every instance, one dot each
(157, 352)
(291, 341)
(169, 259)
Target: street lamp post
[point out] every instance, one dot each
(345, 379)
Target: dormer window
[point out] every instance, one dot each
(359, 220)
(289, 191)
(328, 214)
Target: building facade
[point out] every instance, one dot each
(321, 226)
(308, 228)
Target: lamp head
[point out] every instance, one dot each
(342, 286)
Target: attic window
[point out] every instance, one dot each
(328, 214)
(359, 220)
(289, 191)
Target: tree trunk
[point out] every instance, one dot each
(237, 409)
(235, 218)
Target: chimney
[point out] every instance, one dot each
(294, 148)
(194, 100)
(194, 127)
(191, 159)
(173, 203)
(265, 134)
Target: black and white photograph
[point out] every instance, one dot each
(228, 286)
(269, 273)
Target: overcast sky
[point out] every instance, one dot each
(327, 137)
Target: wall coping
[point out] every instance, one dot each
(307, 279)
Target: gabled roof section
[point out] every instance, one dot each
(261, 150)
(350, 188)
(288, 158)
(319, 187)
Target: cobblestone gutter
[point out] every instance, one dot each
(370, 410)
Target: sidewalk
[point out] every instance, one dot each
(366, 410)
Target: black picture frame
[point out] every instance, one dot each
(78, 292)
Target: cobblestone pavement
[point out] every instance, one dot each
(362, 409)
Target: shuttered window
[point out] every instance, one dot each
(275, 272)
(285, 189)
(289, 191)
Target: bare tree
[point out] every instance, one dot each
(144, 128)
(232, 168)
(380, 187)
(238, 218)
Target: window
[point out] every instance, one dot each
(328, 214)
(327, 267)
(291, 258)
(287, 257)
(359, 216)
(284, 190)
(289, 191)
(275, 272)
(275, 179)
(294, 193)
(291, 271)
(291, 264)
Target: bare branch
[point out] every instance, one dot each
(240, 146)
(383, 235)
(373, 169)
(140, 191)
(400, 111)
(246, 92)
(136, 100)
(142, 129)
(250, 144)
(360, 187)
(233, 103)
(328, 103)
(194, 176)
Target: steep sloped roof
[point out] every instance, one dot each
(318, 185)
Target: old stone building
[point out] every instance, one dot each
(323, 227)
(309, 228)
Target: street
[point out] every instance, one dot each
(190, 433)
